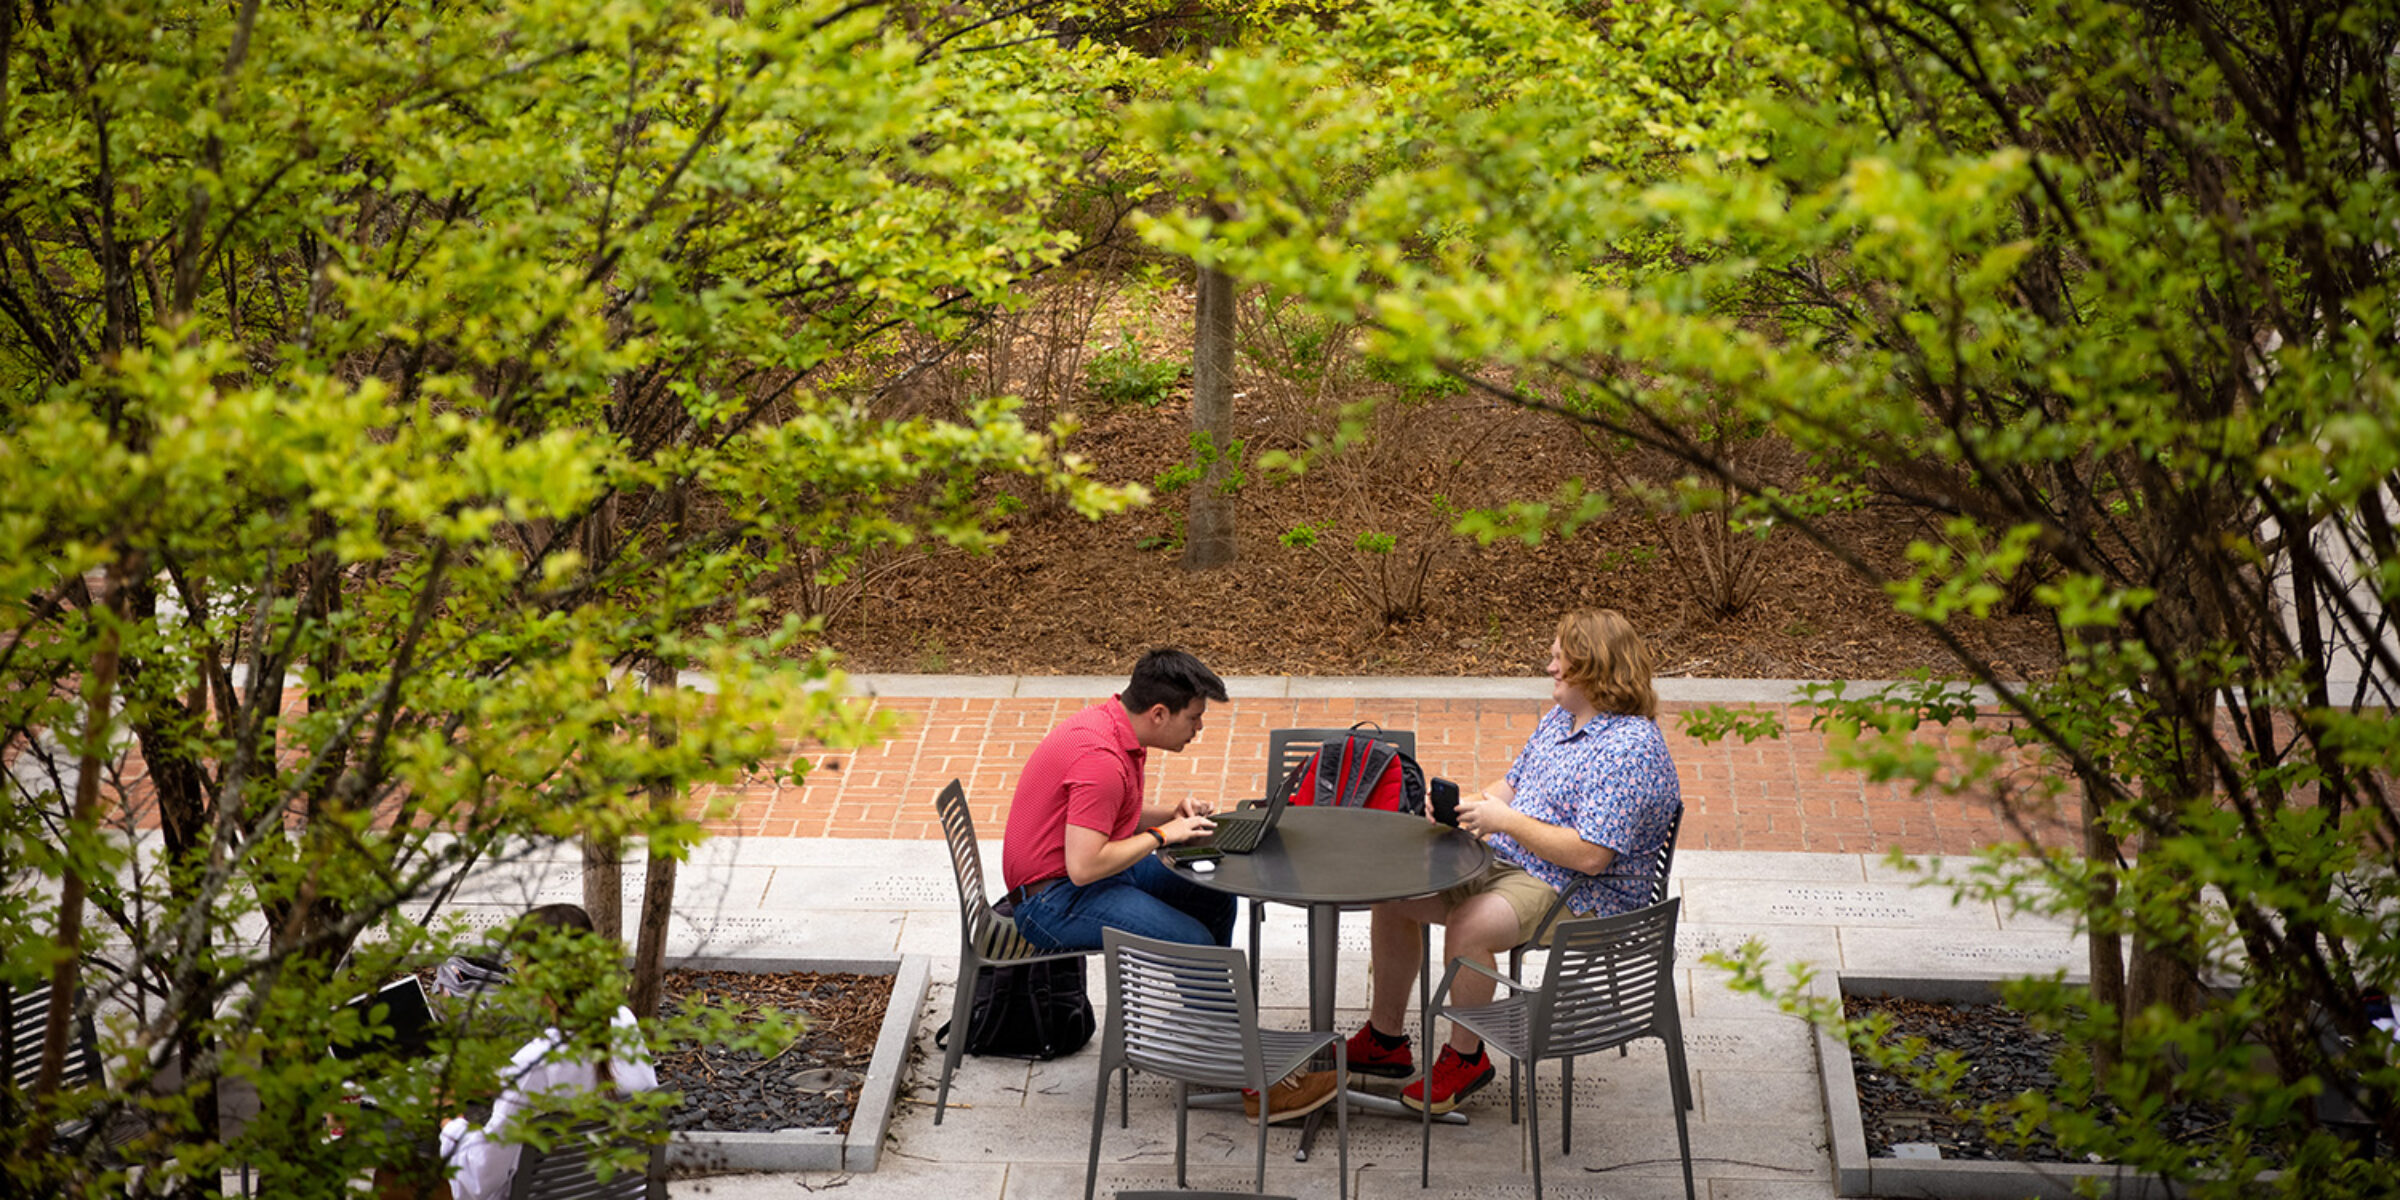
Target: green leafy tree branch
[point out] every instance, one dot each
(397, 405)
(2090, 288)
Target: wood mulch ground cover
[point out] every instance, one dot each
(2007, 1056)
(811, 1084)
(1068, 596)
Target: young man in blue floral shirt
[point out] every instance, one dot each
(1593, 796)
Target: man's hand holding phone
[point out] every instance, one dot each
(1484, 814)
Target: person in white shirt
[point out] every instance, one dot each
(483, 1160)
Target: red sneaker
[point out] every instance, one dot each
(1454, 1079)
(1369, 1057)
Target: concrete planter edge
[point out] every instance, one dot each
(1857, 1175)
(878, 1094)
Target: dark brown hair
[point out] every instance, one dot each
(1171, 677)
(551, 916)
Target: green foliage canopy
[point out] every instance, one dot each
(2103, 290)
(449, 370)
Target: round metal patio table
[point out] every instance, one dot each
(1324, 858)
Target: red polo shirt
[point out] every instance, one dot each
(1088, 772)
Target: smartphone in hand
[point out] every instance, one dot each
(1444, 796)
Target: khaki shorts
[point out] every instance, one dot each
(1529, 897)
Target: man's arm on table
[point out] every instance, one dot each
(1091, 857)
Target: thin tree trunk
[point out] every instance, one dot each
(650, 951)
(1208, 523)
(2106, 949)
(658, 890)
(604, 887)
(603, 862)
(99, 692)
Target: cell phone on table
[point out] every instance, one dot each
(1191, 854)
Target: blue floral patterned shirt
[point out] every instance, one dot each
(1614, 785)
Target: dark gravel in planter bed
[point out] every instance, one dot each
(2005, 1056)
(811, 1084)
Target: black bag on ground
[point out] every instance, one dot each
(1030, 1010)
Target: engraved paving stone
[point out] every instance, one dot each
(1865, 905)
(908, 891)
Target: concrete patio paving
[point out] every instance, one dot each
(1754, 863)
(1018, 1130)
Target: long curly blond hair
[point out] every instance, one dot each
(1608, 662)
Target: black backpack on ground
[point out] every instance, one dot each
(1028, 1010)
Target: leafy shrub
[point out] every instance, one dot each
(1121, 374)
(1381, 575)
(1286, 341)
(1414, 381)
(1205, 455)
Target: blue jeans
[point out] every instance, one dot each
(1145, 899)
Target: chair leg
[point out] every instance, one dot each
(1425, 1042)
(1425, 989)
(1425, 1144)
(1683, 1141)
(1091, 1168)
(1124, 1097)
(1341, 1120)
(1258, 920)
(1265, 1121)
(1679, 1072)
(1566, 1105)
(1533, 1127)
(961, 1008)
(1183, 1112)
(1516, 970)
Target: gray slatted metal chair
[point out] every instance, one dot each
(985, 938)
(27, 1015)
(1611, 981)
(1286, 750)
(1184, 1013)
(565, 1171)
(1661, 865)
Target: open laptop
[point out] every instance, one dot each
(1238, 832)
(406, 1012)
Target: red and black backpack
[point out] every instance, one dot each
(1358, 771)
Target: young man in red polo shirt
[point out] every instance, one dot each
(1079, 853)
(1077, 856)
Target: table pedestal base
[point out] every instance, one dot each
(1389, 1106)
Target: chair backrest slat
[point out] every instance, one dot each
(1666, 858)
(1608, 977)
(564, 1172)
(1184, 1012)
(25, 1012)
(976, 918)
(28, 1016)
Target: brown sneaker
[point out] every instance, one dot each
(1292, 1099)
